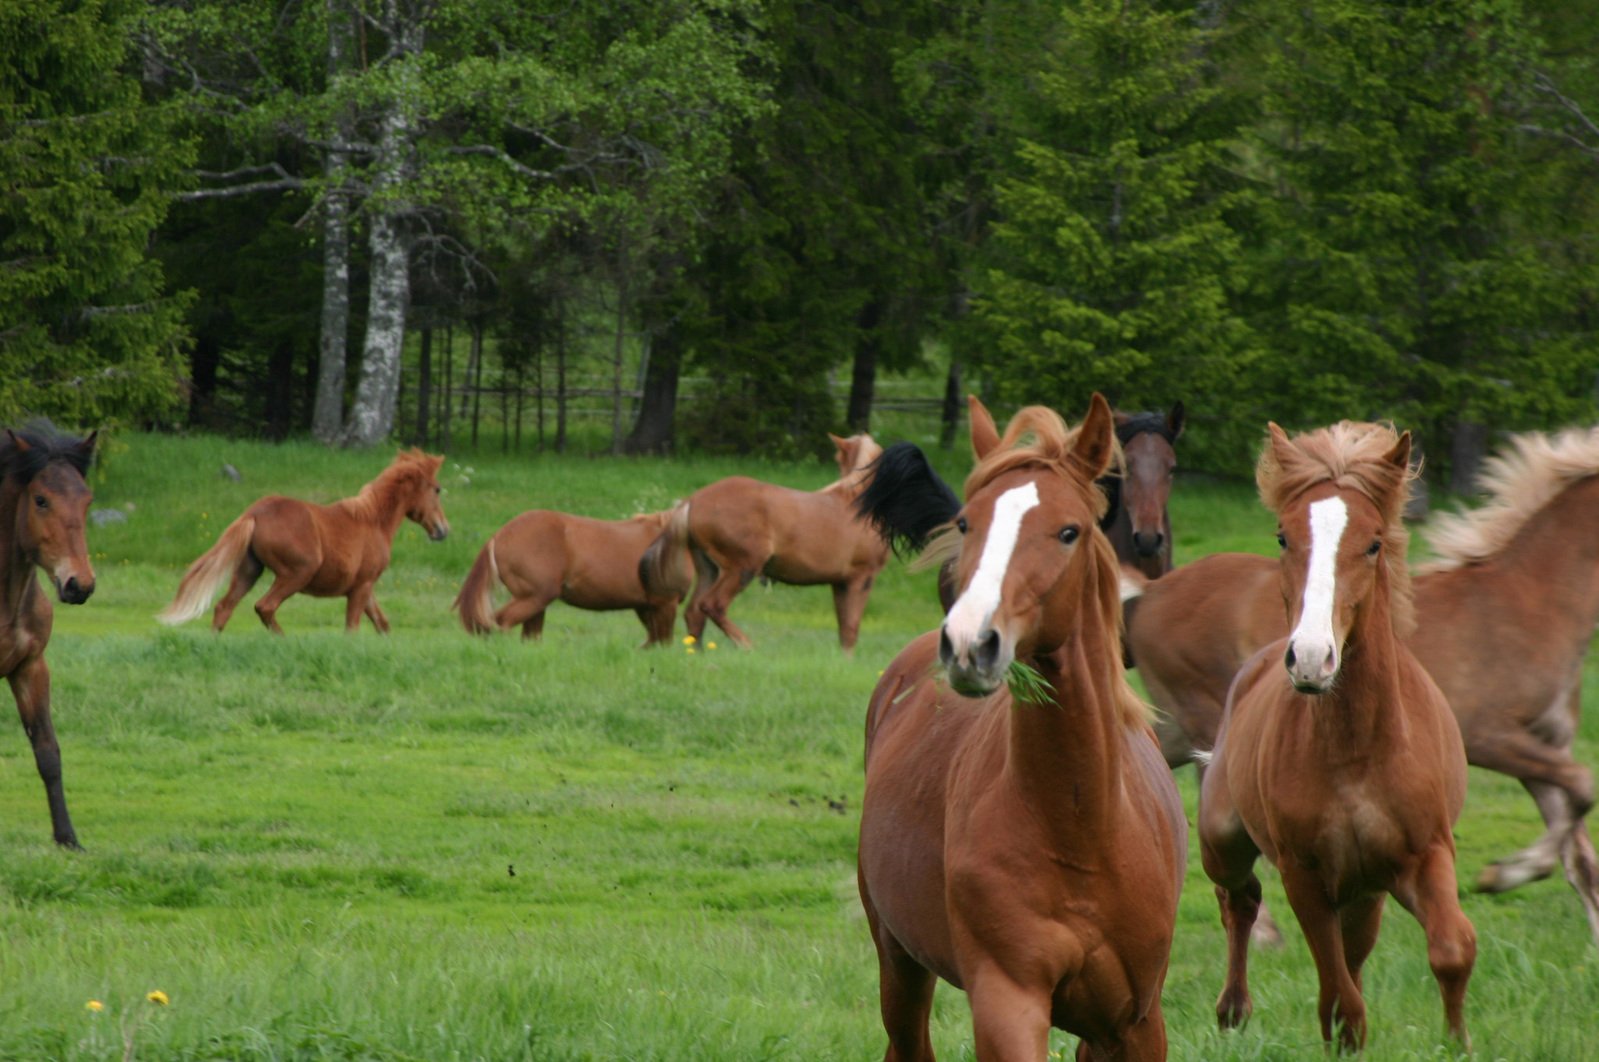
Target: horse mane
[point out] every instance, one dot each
(1520, 481)
(1350, 455)
(1038, 437)
(409, 469)
(1139, 423)
(46, 443)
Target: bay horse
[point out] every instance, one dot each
(909, 503)
(44, 502)
(1338, 757)
(739, 528)
(1028, 849)
(1516, 579)
(336, 550)
(543, 556)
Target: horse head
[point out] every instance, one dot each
(53, 506)
(423, 504)
(1149, 451)
(1031, 549)
(855, 453)
(1338, 495)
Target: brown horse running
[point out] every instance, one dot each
(739, 528)
(1517, 580)
(543, 556)
(43, 503)
(336, 550)
(1028, 853)
(1338, 758)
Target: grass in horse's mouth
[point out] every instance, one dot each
(1027, 686)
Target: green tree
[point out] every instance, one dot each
(1113, 264)
(86, 332)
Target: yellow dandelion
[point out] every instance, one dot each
(689, 639)
(158, 997)
(689, 650)
(710, 645)
(94, 1005)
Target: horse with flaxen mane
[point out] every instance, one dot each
(43, 505)
(1504, 615)
(910, 504)
(1028, 853)
(739, 528)
(1338, 757)
(543, 556)
(336, 550)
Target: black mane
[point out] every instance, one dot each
(45, 444)
(904, 499)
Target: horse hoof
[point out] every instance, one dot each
(1502, 877)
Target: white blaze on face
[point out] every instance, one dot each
(971, 613)
(1314, 642)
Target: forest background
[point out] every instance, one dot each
(726, 226)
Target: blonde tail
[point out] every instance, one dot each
(665, 568)
(475, 602)
(207, 574)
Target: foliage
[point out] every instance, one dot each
(86, 331)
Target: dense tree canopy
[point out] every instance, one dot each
(717, 223)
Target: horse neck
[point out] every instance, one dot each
(1363, 712)
(379, 504)
(16, 565)
(1557, 551)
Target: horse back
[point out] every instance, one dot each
(291, 534)
(793, 536)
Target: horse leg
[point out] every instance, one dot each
(30, 685)
(284, 586)
(849, 603)
(1339, 1004)
(1008, 1020)
(374, 612)
(1146, 1039)
(244, 577)
(657, 620)
(1428, 891)
(1360, 920)
(1582, 871)
(1228, 854)
(1534, 763)
(904, 994)
(715, 601)
(526, 612)
(705, 573)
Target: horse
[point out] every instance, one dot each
(1516, 579)
(1028, 848)
(909, 503)
(336, 550)
(543, 556)
(44, 502)
(738, 528)
(1338, 757)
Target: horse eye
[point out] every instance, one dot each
(1282, 540)
(41, 501)
(1069, 533)
(960, 524)
(1374, 549)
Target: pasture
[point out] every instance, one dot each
(434, 846)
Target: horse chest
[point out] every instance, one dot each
(17, 644)
(1356, 837)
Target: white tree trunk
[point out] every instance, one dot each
(327, 416)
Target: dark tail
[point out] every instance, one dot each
(904, 499)
(665, 568)
(475, 602)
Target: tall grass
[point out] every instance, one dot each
(432, 846)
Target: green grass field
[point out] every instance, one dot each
(430, 846)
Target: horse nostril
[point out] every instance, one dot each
(1288, 657)
(946, 651)
(986, 654)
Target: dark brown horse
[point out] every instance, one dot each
(1517, 579)
(336, 550)
(1028, 853)
(543, 556)
(1338, 757)
(909, 503)
(43, 504)
(739, 528)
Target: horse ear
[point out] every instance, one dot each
(1399, 456)
(1277, 442)
(1174, 420)
(86, 447)
(18, 442)
(985, 436)
(1096, 438)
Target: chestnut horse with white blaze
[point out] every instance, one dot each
(1026, 848)
(543, 556)
(738, 529)
(1338, 757)
(43, 505)
(1515, 580)
(336, 550)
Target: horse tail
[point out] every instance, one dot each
(476, 599)
(904, 499)
(209, 571)
(664, 568)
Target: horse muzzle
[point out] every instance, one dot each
(976, 667)
(1148, 543)
(439, 531)
(74, 591)
(1312, 669)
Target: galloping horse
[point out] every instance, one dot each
(1028, 853)
(1517, 580)
(543, 556)
(909, 503)
(336, 550)
(43, 503)
(739, 528)
(1347, 771)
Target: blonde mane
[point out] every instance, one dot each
(408, 471)
(854, 481)
(1534, 469)
(1037, 437)
(1350, 455)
